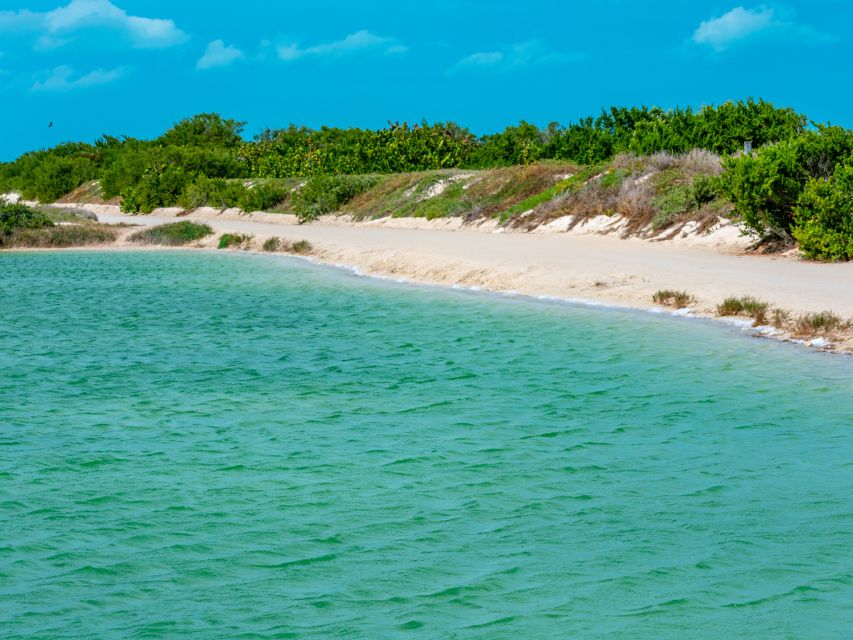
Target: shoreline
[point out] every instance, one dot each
(455, 258)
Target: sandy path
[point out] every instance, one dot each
(592, 267)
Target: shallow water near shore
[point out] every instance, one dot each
(198, 445)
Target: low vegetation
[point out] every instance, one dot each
(174, 234)
(671, 298)
(234, 241)
(745, 306)
(24, 227)
(325, 194)
(658, 169)
(276, 244)
(823, 324)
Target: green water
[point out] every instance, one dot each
(228, 446)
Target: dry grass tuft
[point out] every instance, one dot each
(672, 298)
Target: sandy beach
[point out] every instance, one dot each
(565, 265)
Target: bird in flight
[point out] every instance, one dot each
(50, 126)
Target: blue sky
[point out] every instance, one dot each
(134, 67)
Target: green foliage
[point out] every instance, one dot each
(261, 197)
(299, 151)
(174, 234)
(204, 130)
(704, 189)
(218, 193)
(19, 216)
(229, 240)
(824, 217)
(325, 194)
(159, 186)
(766, 185)
(675, 201)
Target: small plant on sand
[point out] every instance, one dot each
(273, 244)
(234, 240)
(302, 247)
(780, 318)
(173, 235)
(744, 306)
(671, 298)
(819, 323)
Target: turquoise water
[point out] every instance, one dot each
(232, 446)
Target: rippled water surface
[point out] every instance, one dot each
(227, 446)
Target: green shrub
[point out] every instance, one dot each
(824, 217)
(704, 189)
(675, 201)
(326, 194)
(19, 216)
(159, 187)
(261, 197)
(273, 244)
(210, 192)
(174, 234)
(302, 247)
(820, 322)
(229, 240)
(672, 298)
(744, 306)
(766, 185)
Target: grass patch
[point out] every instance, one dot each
(172, 235)
(819, 323)
(302, 247)
(744, 306)
(276, 244)
(234, 240)
(273, 244)
(59, 236)
(672, 298)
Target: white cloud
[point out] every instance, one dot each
(742, 24)
(60, 79)
(55, 26)
(355, 42)
(218, 54)
(513, 57)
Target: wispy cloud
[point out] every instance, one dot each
(62, 79)
(218, 54)
(516, 56)
(742, 25)
(55, 27)
(360, 41)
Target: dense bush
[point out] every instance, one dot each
(19, 216)
(234, 240)
(824, 217)
(261, 197)
(325, 194)
(174, 234)
(766, 185)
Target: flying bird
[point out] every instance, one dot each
(50, 126)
